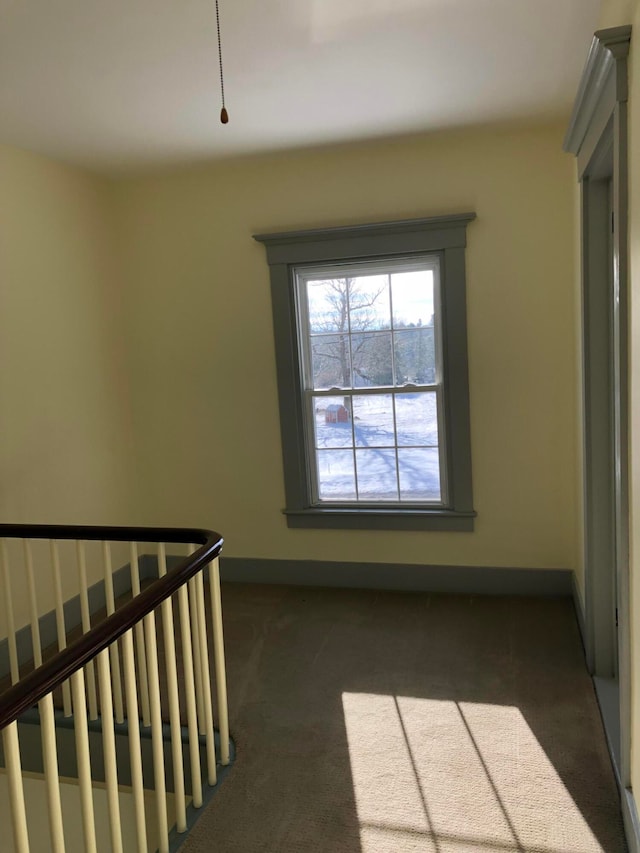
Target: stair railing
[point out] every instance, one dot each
(112, 671)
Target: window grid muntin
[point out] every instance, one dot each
(396, 447)
(395, 432)
(304, 273)
(394, 378)
(301, 276)
(438, 341)
(353, 424)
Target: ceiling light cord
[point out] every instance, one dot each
(224, 115)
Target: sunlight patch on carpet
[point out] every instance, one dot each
(449, 777)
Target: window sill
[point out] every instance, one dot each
(381, 519)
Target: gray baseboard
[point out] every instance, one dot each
(72, 615)
(608, 696)
(577, 605)
(631, 820)
(32, 759)
(465, 580)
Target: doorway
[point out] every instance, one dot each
(597, 135)
(603, 436)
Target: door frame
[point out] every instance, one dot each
(598, 135)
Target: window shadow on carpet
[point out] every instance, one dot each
(376, 722)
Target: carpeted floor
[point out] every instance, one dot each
(395, 723)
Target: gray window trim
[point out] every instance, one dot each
(443, 235)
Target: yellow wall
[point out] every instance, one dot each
(190, 333)
(617, 13)
(64, 429)
(201, 347)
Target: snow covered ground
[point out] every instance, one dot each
(357, 459)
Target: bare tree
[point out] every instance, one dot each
(351, 311)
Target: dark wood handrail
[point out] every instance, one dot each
(46, 678)
(92, 532)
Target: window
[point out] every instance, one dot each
(370, 330)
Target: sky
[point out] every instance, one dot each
(411, 296)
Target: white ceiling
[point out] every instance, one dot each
(127, 83)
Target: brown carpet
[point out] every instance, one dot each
(395, 723)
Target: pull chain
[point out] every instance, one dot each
(224, 115)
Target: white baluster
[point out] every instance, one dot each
(60, 626)
(86, 626)
(139, 633)
(83, 760)
(190, 696)
(50, 759)
(135, 751)
(197, 659)
(109, 749)
(11, 746)
(174, 703)
(33, 604)
(156, 732)
(113, 648)
(218, 651)
(212, 774)
(8, 604)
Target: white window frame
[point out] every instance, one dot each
(294, 254)
(304, 274)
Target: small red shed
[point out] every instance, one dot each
(336, 414)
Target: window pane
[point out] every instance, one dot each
(373, 331)
(336, 477)
(330, 361)
(369, 303)
(328, 306)
(373, 420)
(419, 474)
(412, 295)
(417, 419)
(332, 422)
(371, 357)
(377, 477)
(415, 356)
